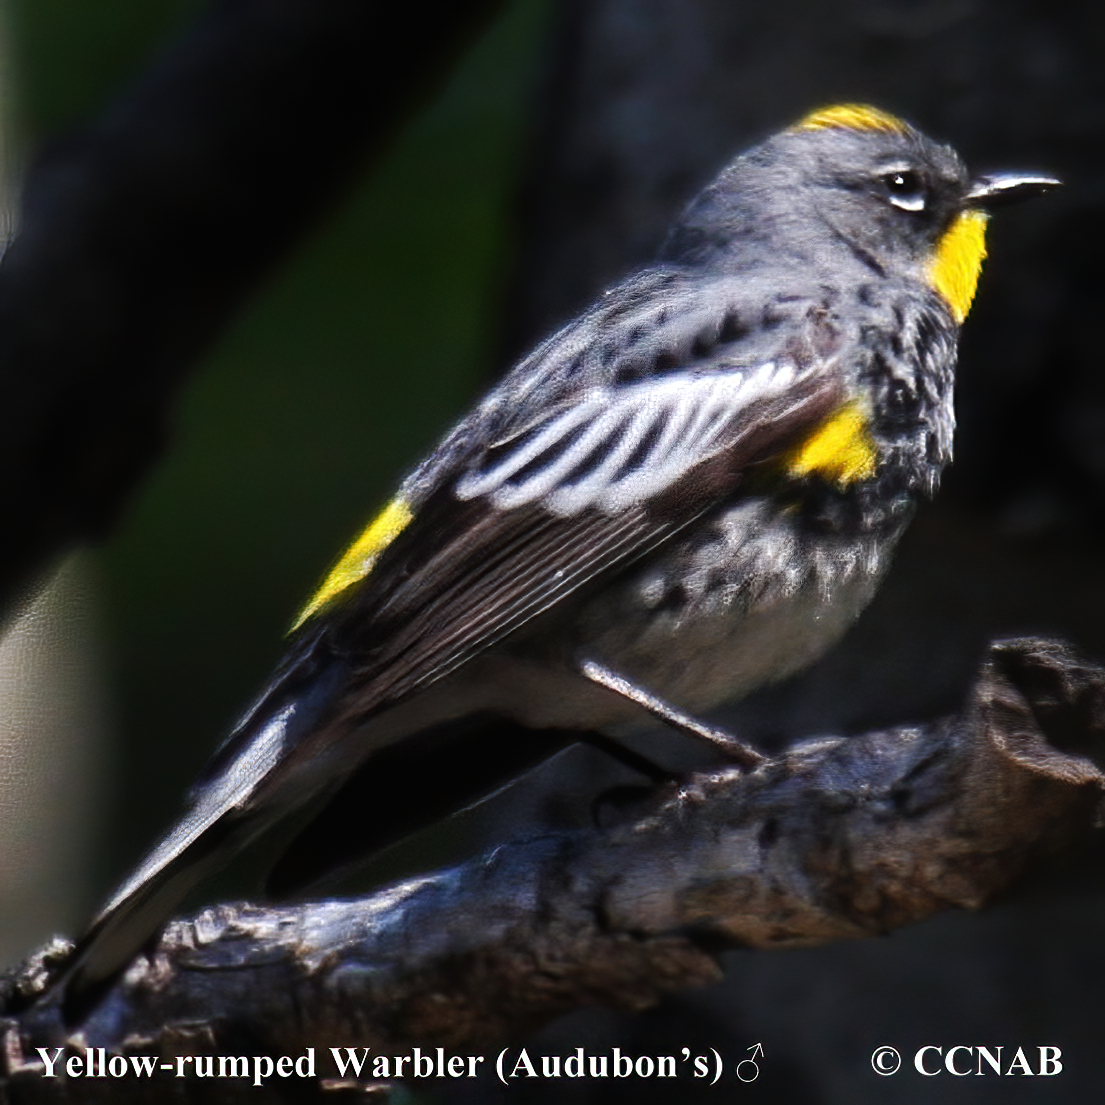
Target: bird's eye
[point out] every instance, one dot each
(904, 189)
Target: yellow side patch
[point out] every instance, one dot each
(359, 559)
(957, 261)
(841, 450)
(852, 117)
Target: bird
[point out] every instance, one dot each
(687, 492)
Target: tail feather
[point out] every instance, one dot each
(131, 921)
(407, 786)
(222, 819)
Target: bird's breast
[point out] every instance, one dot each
(749, 597)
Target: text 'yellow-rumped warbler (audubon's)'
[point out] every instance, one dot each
(688, 491)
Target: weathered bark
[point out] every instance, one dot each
(837, 839)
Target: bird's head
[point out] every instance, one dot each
(854, 180)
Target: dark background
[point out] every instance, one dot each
(549, 165)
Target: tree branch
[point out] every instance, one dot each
(141, 234)
(837, 839)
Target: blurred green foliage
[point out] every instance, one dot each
(340, 375)
(68, 58)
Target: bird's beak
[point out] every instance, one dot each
(995, 189)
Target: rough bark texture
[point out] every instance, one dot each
(834, 840)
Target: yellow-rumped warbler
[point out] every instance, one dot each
(688, 491)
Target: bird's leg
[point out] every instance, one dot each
(734, 749)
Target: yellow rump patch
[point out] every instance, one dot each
(957, 261)
(852, 117)
(360, 558)
(841, 450)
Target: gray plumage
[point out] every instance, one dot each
(627, 494)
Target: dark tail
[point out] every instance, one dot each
(411, 784)
(222, 819)
(131, 922)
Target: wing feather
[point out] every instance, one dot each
(588, 472)
(576, 459)
(505, 540)
(512, 539)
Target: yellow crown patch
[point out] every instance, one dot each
(852, 117)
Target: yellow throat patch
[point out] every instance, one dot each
(851, 117)
(840, 450)
(957, 261)
(360, 558)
